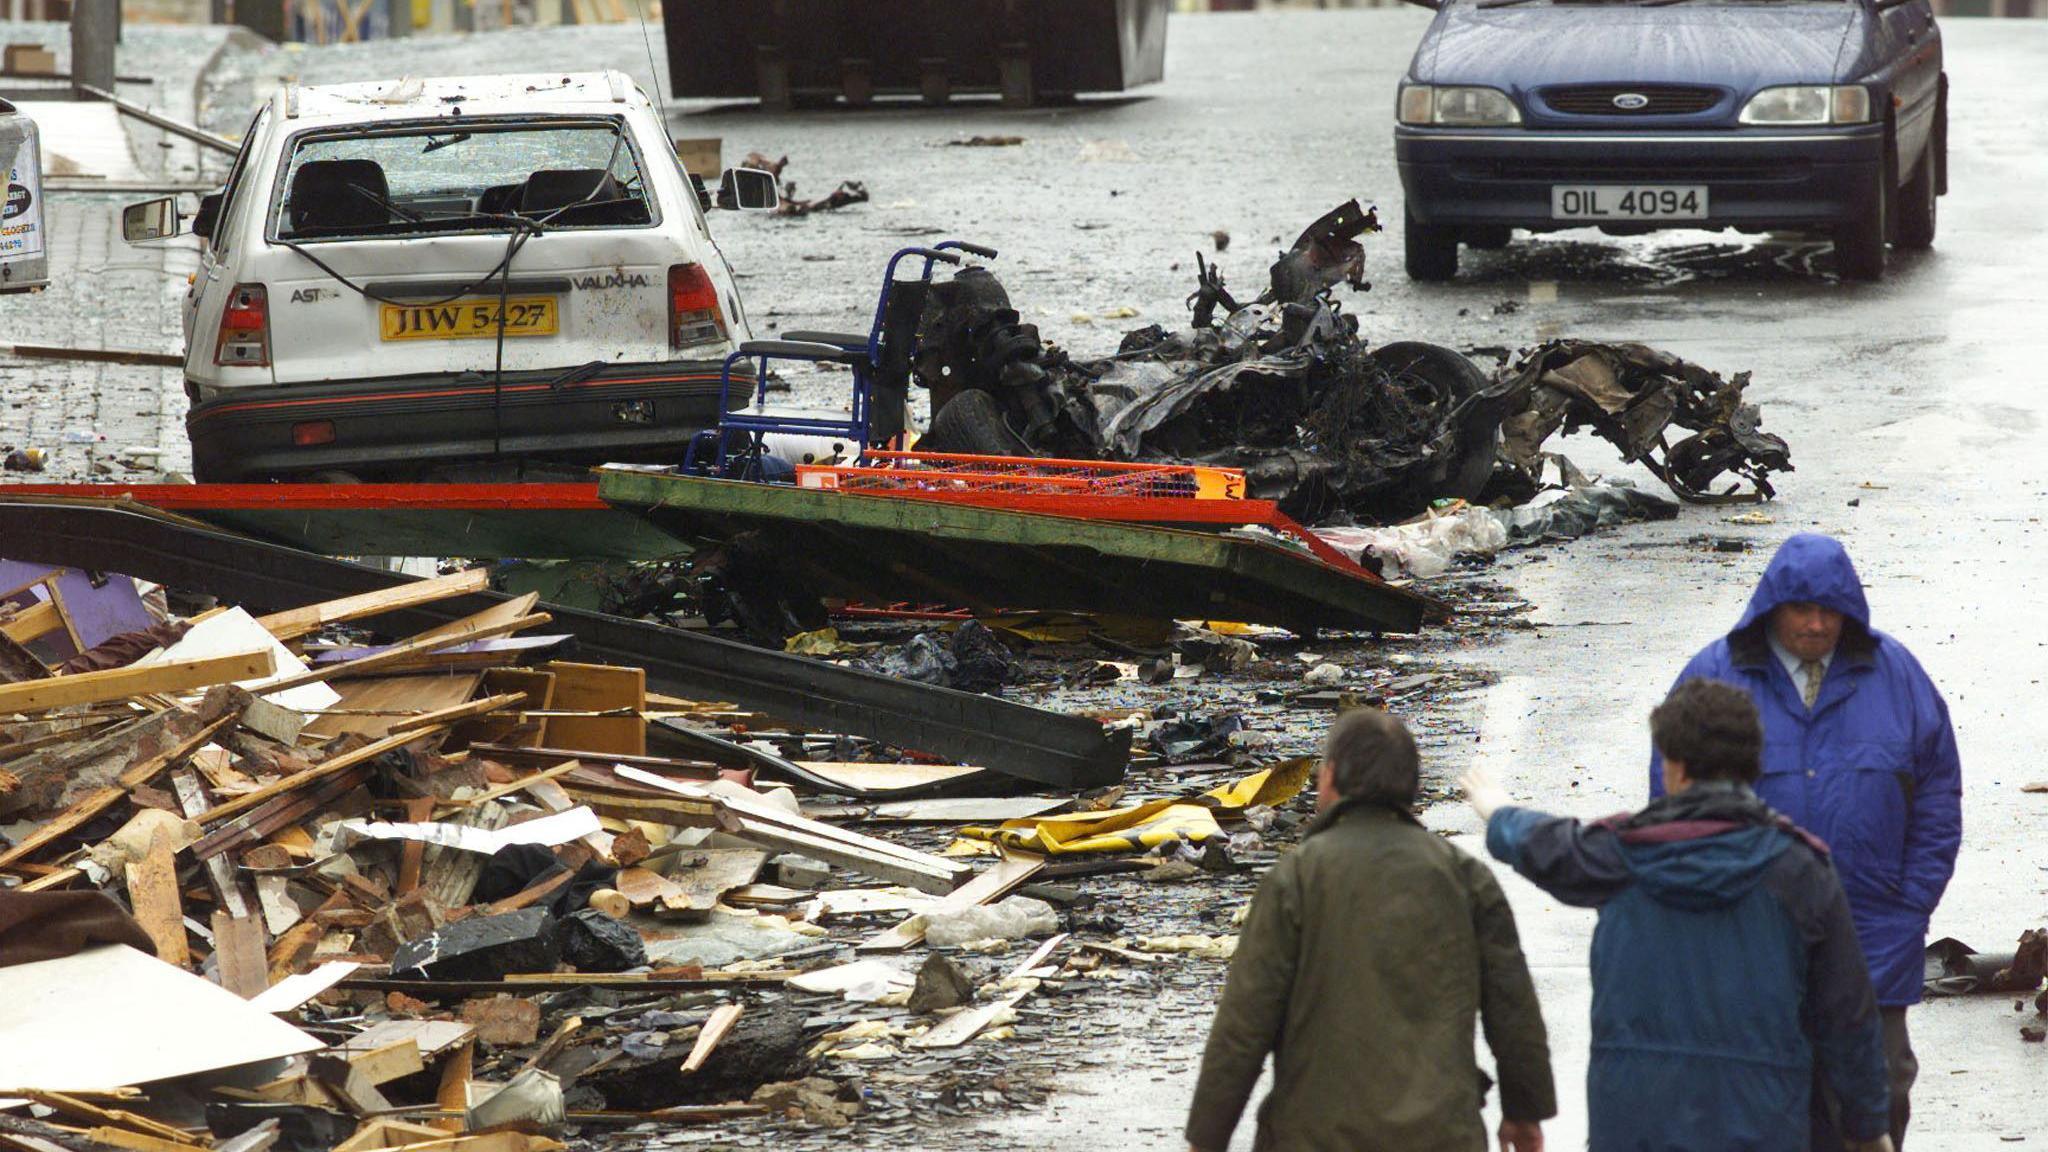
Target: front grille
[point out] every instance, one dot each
(1657, 99)
(1597, 169)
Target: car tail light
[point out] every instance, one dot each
(313, 433)
(245, 329)
(693, 313)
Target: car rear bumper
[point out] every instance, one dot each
(1755, 180)
(625, 413)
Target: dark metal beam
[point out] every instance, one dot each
(1017, 740)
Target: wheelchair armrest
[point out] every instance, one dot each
(847, 340)
(802, 350)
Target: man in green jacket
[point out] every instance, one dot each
(1367, 953)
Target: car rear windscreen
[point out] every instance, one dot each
(477, 177)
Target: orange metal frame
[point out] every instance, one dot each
(888, 471)
(1058, 501)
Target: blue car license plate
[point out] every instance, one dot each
(1628, 202)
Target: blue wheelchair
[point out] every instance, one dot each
(880, 362)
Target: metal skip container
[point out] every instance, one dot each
(24, 258)
(800, 51)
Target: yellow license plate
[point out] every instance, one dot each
(470, 319)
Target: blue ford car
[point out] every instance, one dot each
(1824, 115)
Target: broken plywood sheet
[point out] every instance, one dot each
(597, 688)
(696, 883)
(538, 689)
(370, 707)
(646, 889)
(112, 1016)
(889, 777)
(709, 873)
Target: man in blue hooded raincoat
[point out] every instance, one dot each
(1727, 981)
(1858, 750)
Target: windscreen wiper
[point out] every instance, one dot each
(434, 145)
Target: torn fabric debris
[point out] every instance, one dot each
(1141, 826)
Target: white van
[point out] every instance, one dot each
(407, 279)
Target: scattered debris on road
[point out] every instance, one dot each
(478, 881)
(848, 191)
(1953, 968)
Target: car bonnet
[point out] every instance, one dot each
(1743, 46)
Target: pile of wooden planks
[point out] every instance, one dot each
(321, 818)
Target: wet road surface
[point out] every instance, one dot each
(1913, 409)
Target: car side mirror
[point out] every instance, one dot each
(748, 190)
(208, 217)
(150, 220)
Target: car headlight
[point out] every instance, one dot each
(1807, 104)
(1457, 107)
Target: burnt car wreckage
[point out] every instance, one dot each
(1331, 426)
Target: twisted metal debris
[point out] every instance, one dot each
(1323, 421)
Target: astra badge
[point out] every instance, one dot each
(1631, 101)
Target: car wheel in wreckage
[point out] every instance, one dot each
(973, 422)
(1469, 442)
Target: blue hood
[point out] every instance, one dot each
(1741, 47)
(1813, 569)
(1711, 872)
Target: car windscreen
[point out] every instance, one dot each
(457, 177)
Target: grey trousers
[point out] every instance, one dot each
(1903, 1068)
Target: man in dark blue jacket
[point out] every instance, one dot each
(1859, 751)
(1726, 976)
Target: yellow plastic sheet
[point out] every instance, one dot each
(823, 642)
(1151, 824)
(1076, 627)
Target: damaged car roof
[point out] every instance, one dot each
(412, 97)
